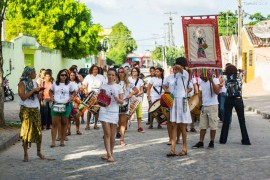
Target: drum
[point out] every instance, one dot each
(123, 108)
(194, 105)
(166, 100)
(103, 99)
(90, 99)
(133, 106)
(158, 112)
(94, 109)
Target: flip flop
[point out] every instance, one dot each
(171, 154)
(182, 153)
(52, 146)
(104, 157)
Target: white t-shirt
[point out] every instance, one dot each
(76, 86)
(126, 89)
(30, 103)
(207, 98)
(138, 85)
(93, 82)
(157, 83)
(170, 82)
(62, 92)
(111, 90)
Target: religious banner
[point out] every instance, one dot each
(202, 47)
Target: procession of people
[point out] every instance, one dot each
(115, 98)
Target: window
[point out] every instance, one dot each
(250, 57)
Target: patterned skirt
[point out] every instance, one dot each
(31, 125)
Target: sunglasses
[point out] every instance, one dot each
(64, 75)
(121, 72)
(134, 71)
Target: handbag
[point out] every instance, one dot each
(59, 108)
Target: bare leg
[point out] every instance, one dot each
(25, 147)
(96, 120)
(64, 122)
(122, 127)
(55, 124)
(139, 122)
(88, 120)
(169, 126)
(212, 135)
(107, 135)
(39, 154)
(151, 121)
(183, 128)
(178, 133)
(112, 141)
(202, 134)
(173, 142)
(77, 122)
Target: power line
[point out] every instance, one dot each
(170, 29)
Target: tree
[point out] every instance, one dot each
(120, 44)
(227, 23)
(64, 25)
(173, 53)
(255, 18)
(156, 54)
(3, 6)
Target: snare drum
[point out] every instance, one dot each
(133, 106)
(123, 108)
(90, 99)
(158, 112)
(94, 109)
(194, 105)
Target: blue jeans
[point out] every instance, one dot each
(221, 99)
(238, 104)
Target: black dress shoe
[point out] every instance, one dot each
(198, 145)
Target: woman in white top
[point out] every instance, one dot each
(134, 79)
(75, 82)
(29, 95)
(109, 116)
(179, 112)
(92, 82)
(62, 92)
(129, 90)
(155, 90)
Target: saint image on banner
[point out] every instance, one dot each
(201, 44)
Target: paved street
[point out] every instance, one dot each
(145, 156)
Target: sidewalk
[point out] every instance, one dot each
(258, 104)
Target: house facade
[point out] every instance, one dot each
(26, 51)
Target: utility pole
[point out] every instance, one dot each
(170, 30)
(240, 17)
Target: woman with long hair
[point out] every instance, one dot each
(61, 93)
(134, 79)
(109, 116)
(75, 82)
(129, 90)
(29, 94)
(92, 82)
(155, 90)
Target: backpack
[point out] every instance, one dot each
(233, 87)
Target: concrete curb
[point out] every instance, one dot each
(9, 142)
(263, 114)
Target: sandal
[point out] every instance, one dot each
(182, 153)
(52, 146)
(69, 133)
(96, 127)
(104, 157)
(87, 128)
(171, 154)
(122, 143)
(159, 127)
(62, 145)
(78, 133)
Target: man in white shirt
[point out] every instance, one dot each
(208, 91)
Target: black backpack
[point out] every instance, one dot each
(233, 87)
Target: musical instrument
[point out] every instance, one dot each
(166, 100)
(94, 109)
(79, 107)
(158, 112)
(103, 99)
(90, 99)
(194, 105)
(133, 106)
(123, 108)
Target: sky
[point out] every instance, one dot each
(146, 18)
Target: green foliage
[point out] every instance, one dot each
(156, 54)
(64, 25)
(227, 23)
(120, 44)
(173, 53)
(255, 18)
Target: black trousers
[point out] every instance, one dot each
(238, 104)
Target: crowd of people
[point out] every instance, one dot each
(48, 103)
